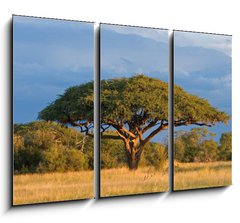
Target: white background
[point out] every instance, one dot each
(213, 205)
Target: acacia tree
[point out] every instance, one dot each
(136, 107)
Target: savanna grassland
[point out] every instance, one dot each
(50, 187)
(202, 175)
(122, 181)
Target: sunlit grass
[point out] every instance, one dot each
(122, 181)
(50, 187)
(40, 188)
(202, 175)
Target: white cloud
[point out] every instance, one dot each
(156, 34)
(221, 43)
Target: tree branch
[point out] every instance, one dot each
(151, 124)
(189, 122)
(121, 135)
(120, 128)
(140, 134)
(104, 129)
(76, 124)
(152, 134)
(202, 124)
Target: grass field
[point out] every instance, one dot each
(38, 188)
(116, 182)
(202, 175)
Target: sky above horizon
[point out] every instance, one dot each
(127, 50)
(48, 56)
(203, 67)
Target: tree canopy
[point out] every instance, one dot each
(191, 109)
(74, 107)
(136, 107)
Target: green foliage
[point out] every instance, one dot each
(61, 159)
(155, 155)
(198, 145)
(179, 149)
(225, 148)
(191, 109)
(125, 98)
(48, 146)
(76, 104)
(112, 153)
(26, 159)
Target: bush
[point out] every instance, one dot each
(27, 159)
(198, 145)
(155, 155)
(112, 154)
(60, 159)
(225, 147)
(50, 147)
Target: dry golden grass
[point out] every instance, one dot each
(202, 175)
(122, 181)
(39, 188)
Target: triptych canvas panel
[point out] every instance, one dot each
(134, 110)
(53, 109)
(202, 110)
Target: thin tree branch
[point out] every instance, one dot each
(120, 128)
(152, 134)
(189, 122)
(104, 129)
(150, 125)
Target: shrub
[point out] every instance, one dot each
(198, 145)
(50, 147)
(112, 154)
(155, 155)
(27, 159)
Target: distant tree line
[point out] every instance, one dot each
(198, 145)
(41, 147)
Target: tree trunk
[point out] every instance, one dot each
(133, 149)
(133, 161)
(134, 158)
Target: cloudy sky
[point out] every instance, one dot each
(126, 51)
(48, 56)
(202, 66)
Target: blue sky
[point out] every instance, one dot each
(48, 57)
(126, 51)
(202, 66)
